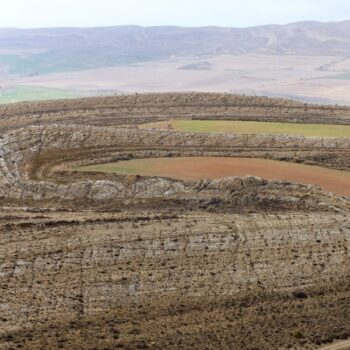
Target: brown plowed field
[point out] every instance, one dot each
(194, 168)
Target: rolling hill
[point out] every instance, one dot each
(39, 51)
(308, 61)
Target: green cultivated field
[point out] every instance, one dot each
(248, 127)
(28, 93)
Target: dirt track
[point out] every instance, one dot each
(342, 345)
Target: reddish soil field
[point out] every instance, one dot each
(194, 168)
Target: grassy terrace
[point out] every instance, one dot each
(250, 127)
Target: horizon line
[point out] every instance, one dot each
(176, 26)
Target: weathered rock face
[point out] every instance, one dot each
(97, 261)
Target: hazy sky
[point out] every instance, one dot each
(234, 13)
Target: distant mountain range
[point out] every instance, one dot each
(28, 52)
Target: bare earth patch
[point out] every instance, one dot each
(195, 168)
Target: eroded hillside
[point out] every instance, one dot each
(105, 261)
